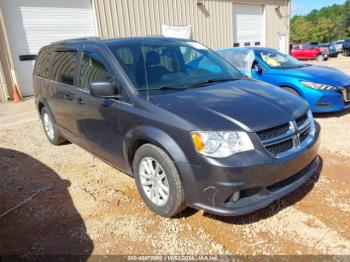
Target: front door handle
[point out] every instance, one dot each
(80, 101)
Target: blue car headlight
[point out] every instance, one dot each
(318, 86)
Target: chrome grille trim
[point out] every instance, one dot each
(346, 93)
(282, 137)
(306, 130)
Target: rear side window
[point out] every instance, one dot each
(92, 69)
(43, 63)
(64, 67)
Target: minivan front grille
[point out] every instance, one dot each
(273, 132)
(304, 134)
(280, 147)
(301, 120)
(283, 138)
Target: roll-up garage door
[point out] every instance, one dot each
(248, 25)
(35, 23)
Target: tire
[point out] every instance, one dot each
(346, 52)
(169, 204)
(320, 58)
(291, 90)
(50, 129)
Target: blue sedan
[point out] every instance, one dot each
(326, 89)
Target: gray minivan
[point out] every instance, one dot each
(187, 125)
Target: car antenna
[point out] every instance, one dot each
(144, 66)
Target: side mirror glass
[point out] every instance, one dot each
(104, 89)
(257, 68)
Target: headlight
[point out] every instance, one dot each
(318, 86)
(221, 144)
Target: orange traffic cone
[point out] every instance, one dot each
(16, 96)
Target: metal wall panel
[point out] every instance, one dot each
(212, 23)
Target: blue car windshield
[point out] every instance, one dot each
(167, 65)
(276, 59)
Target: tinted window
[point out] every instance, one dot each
(64, 67)
(92, 69)
(307, 46)
(43, 62)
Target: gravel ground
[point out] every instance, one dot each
(87, 207)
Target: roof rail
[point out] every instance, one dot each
(77, 39)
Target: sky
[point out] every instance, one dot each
(303, 7)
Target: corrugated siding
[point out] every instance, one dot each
(212, 24)
(277, 22)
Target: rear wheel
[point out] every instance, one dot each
(51, 131)
(158, 181)
(320, 58)
(346, 52)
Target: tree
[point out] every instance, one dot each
(301, 30)
(324, 25)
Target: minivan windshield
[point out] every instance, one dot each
(276, 59)
(167, 65)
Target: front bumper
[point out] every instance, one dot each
(327, 101)
(260, 178)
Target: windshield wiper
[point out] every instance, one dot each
(162, 88)
(210, 81)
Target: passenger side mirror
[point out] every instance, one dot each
(257, 68)
(104, 89)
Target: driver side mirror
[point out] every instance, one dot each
(104, 89)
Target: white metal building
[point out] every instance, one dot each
(27, 25)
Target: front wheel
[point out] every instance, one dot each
(158, 181)
(320, 58)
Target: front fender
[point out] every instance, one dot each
(293, 84)
(155, 136)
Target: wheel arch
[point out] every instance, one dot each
(139, 136)
(296, 89)
(41, 103)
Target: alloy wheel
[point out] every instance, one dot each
(48, 126)
(154, 181)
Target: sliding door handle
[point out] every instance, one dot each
(81, 101)
(68, 96)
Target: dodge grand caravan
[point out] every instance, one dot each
(210, 138)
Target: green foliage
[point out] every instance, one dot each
(324, 25)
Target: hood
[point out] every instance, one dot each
(319, 74)
(243, 104)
